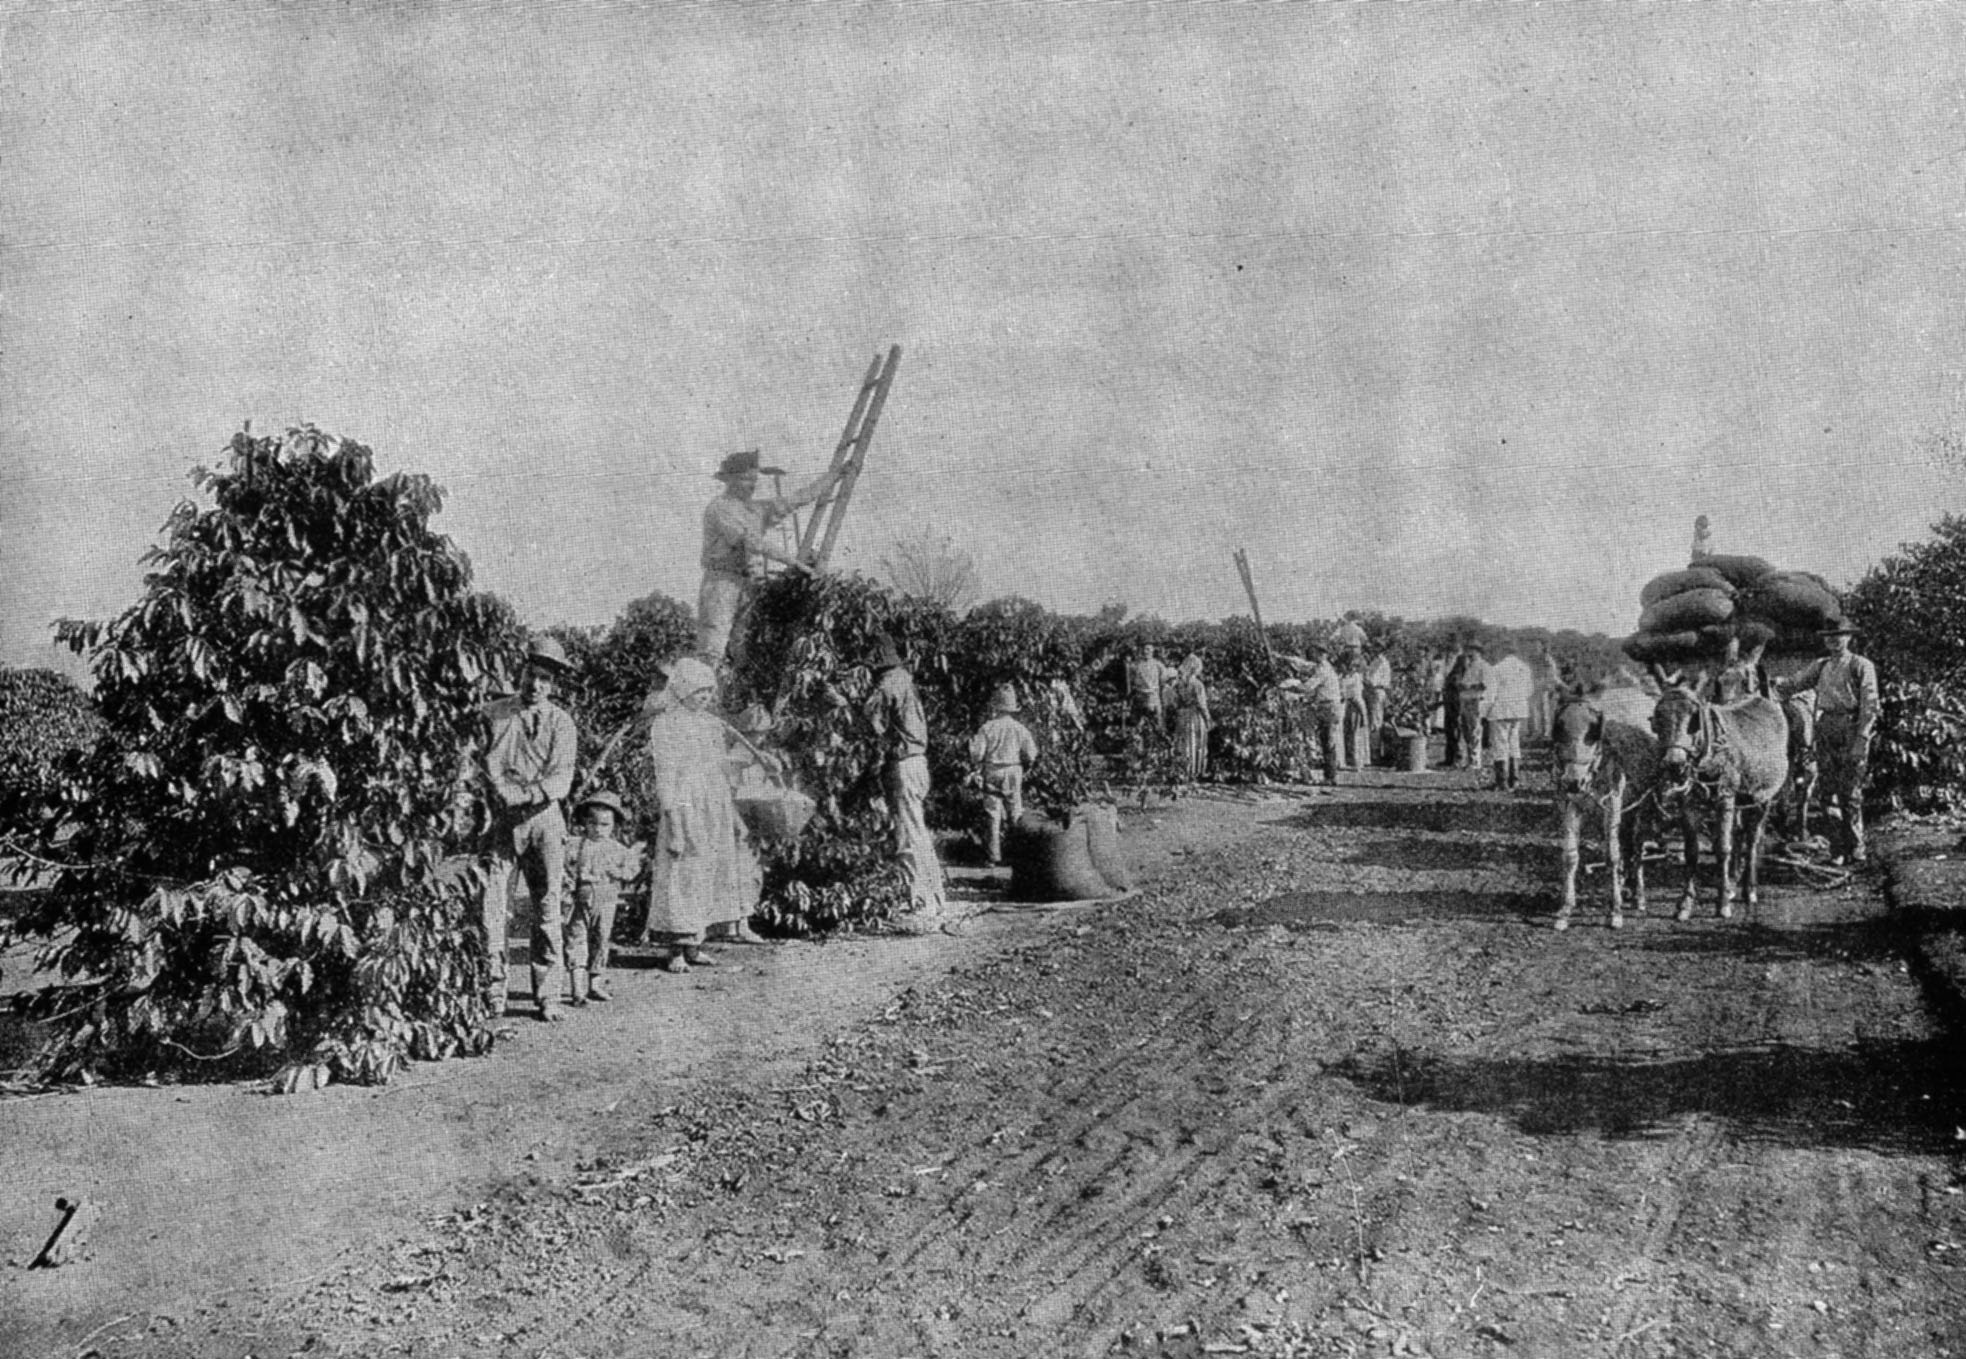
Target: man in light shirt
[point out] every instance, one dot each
(1846, 714)
(735, 538)
(1378, 684)
(528, 771)
(1000, 750)
(1317, 692)
(1510, 685)
(894, 711)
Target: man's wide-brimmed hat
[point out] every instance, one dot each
(1004, 700)
(548, 654)
(601, 799)
(886, 652)
(739, 464)
(1841, 627)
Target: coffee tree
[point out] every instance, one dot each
(1912, 609)
(258, 872)
(807, 657)
(46, 724)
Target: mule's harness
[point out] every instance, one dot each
(1701, 766)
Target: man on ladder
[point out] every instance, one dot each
(735, 525)
(736, 534)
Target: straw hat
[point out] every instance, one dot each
(548, 654)
(744, 463)
(601, 799)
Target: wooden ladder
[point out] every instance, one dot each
(823, 529)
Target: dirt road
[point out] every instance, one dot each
(1329, 1086)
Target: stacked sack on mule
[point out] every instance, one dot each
(1691, 615)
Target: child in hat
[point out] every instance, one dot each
(1001, 749)
(598, 866)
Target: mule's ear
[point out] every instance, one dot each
(1596, 733)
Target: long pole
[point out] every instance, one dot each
(1255, 609)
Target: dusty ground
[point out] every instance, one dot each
(1328, 1086)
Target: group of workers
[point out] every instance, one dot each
(701, 874)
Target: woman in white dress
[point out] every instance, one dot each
(705, 881)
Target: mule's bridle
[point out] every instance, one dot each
(1699, 750)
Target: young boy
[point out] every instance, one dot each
(1001, 750)
(598, 866)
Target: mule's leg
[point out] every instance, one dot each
(1723, 848)
(1754, 820)
(1613, 868)
(1633, 828)
(1573, 821)
(1689, 830)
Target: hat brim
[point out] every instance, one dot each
(721, 475)
(549, 663)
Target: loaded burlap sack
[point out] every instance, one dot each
(1051, 859)
(1102, 841)
(1666, 648)
(1687, 609)
(1792, 598)
(1679, 582)
(1739, 571)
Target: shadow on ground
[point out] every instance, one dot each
(1320, 910)
(1442, 816)
(1883, 1096)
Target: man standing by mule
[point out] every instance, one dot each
(528, 770)
(735, 529)
(1846, 714)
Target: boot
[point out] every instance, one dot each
(1501, 775)
(1512, 775)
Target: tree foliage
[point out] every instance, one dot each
(47, 724)
(614, 670)
(259, 867)
(1912, 610)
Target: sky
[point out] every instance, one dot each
(1433, 308)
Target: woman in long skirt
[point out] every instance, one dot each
(705, 880)
(1191, 718)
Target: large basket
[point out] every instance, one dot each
(774, 813)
